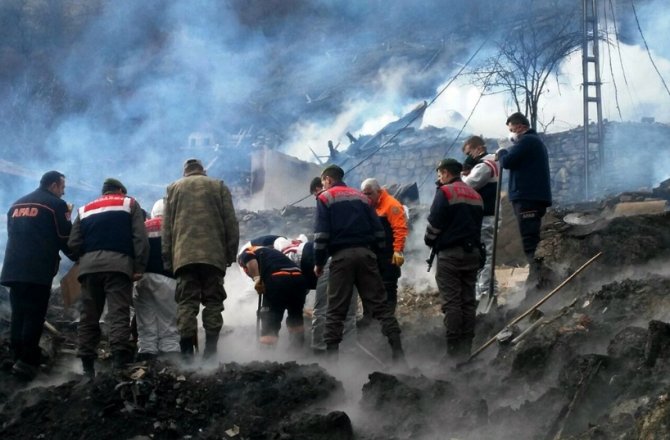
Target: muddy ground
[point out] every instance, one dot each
(595, 365)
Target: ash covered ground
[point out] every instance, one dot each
(594, 365)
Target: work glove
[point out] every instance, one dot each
(398, 259)
(258, 285)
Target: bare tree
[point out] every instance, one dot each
(527, 55)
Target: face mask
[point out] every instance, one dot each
(513, 137)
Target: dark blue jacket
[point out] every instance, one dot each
(38, 226)
(528, 162)
(106, 224)
(455, 217)
(344, 219)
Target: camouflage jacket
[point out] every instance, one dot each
(199, 224)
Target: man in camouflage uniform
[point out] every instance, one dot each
(200, 240)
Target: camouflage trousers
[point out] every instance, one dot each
(199, 284)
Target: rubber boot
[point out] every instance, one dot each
(24, 371)
(120, 359)
(332, 353)
(186, 347)
(88, 365)
(397, 353)
(211, 341)
(296, 339)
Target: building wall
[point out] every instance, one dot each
(278, 179)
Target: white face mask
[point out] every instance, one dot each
(513, 137)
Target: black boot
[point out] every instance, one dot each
(186, 346)
(332, 352)
(88, 365)
(211, 341)
(397, 353)
(296, 340)
(120, 359)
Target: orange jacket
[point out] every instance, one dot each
(394, 212)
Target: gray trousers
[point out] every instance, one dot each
(485, 273)
(320, 309)
(156, 313)
(356, 267)
(116, 289)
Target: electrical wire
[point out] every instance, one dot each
(472, 112)
(609, 60)
(431, 102)
(644, 40)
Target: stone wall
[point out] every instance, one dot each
(635, 157)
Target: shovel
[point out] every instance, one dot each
(491, 299)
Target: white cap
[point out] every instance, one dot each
(157, 210)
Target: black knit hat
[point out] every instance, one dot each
(111, 185)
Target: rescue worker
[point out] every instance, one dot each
(200, 240)
(529, 184)
(392, 216)
(347, 228)
(155, 307)
(321, 298)
(110, 242)
(282, 285)
(483, 177)
(453, 231)
(38, 227)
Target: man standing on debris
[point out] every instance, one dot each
(283, 287)
(38, 226)
(321, 298)
(529, 184)
(483, 177)
(200, 240)
(454, 228)
(110, 241)
(392, 216)
(347, 228)
(155, 307)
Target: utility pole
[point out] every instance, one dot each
(593, 133)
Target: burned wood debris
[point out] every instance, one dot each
(594, 363)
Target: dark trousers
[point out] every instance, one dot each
(29, 307)
(529, 217)
(283, 293)
(356, 267)
(456, 278)
(116, 289)
(199, 284)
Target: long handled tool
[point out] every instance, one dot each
(258, 316)
(538, 304)
(492, 280)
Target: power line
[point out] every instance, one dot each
(472, 112)
(431, 102)
(632, 3)
(609, 60)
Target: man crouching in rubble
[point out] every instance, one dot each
(347, 228)
(110, 241)
(38, 226)
(453, 231)
(283, 287)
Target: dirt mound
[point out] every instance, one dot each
(254, 401)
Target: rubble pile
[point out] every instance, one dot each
(253, 401)
(594, 363)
